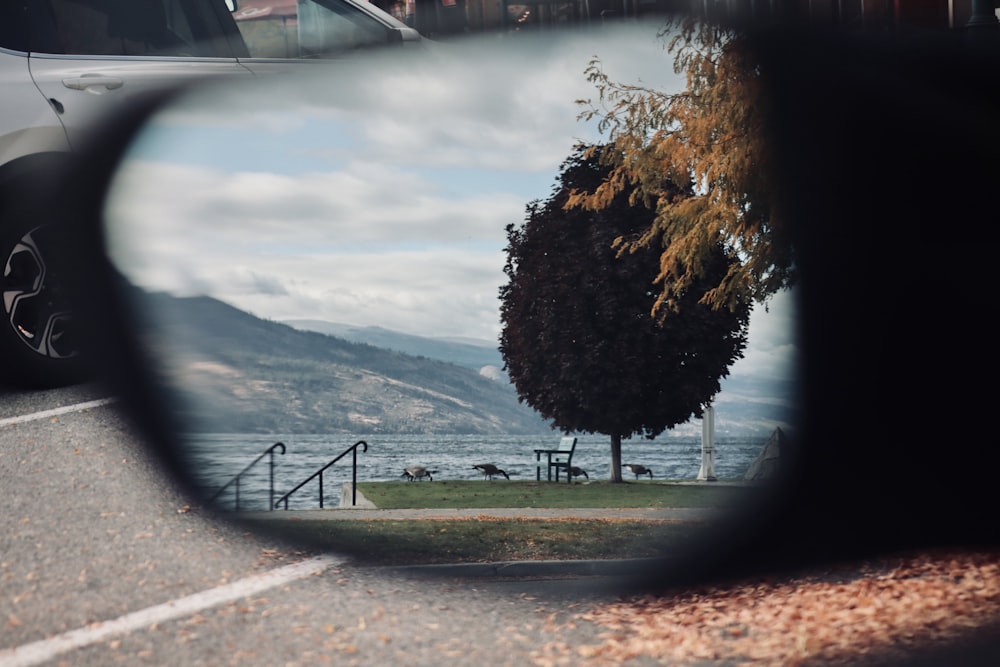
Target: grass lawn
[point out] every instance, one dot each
(478, 494)
(489, 539)
(479, 540)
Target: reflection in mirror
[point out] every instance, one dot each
(318, 261)
(308, 29)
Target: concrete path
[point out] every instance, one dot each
(645, 514)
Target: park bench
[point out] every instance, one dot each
(554, 459)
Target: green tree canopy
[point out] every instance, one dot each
(711, 139)
(579, 340)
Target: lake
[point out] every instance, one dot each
(216, 458)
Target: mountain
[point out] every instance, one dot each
(237, 373)
(466, 352)
(234, 372)
(747, 404)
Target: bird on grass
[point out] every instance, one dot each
(578, 472)
(638, 469)
(417, 472)
(489, 470)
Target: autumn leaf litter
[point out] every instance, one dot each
(888, 608)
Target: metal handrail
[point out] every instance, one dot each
(354, 476)
(236, 479)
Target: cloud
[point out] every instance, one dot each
(324, 246)
(376, 192)
(772, 347)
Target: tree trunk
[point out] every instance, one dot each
(616, 457)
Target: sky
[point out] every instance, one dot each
(378, 193)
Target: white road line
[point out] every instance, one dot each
(47, 649)
(55, 412)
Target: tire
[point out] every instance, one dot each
(41, 346)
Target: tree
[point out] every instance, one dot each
(709, 138)
(579, 340)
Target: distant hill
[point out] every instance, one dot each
(747, 405)
(465, 352)
(243, 374)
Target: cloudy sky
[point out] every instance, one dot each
(377, 193)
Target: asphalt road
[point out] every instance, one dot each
(103, 562)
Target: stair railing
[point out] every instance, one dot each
(236, 480)
(353, 449)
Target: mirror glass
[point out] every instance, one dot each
(317, 260)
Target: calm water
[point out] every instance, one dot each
(216, 458)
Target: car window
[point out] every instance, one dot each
(135, 28)
(13, 26)
(305, 29)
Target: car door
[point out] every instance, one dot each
(87, 56)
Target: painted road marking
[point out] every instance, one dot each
(41, 651)
(55, 412)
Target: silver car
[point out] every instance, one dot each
(66, 63)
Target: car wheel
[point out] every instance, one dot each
(40, 344)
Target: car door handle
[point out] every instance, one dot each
(90, 81)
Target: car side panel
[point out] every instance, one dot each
(87, 87)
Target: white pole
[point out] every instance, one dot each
(707, 472)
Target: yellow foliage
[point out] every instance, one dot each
(710, 140)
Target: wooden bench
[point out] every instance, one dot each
(554, 459)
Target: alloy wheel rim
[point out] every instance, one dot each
(34, 297)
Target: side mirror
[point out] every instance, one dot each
(891, 293)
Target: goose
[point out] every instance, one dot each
(577, 472)
(489, 470)
(638, 469)
(416, 472)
